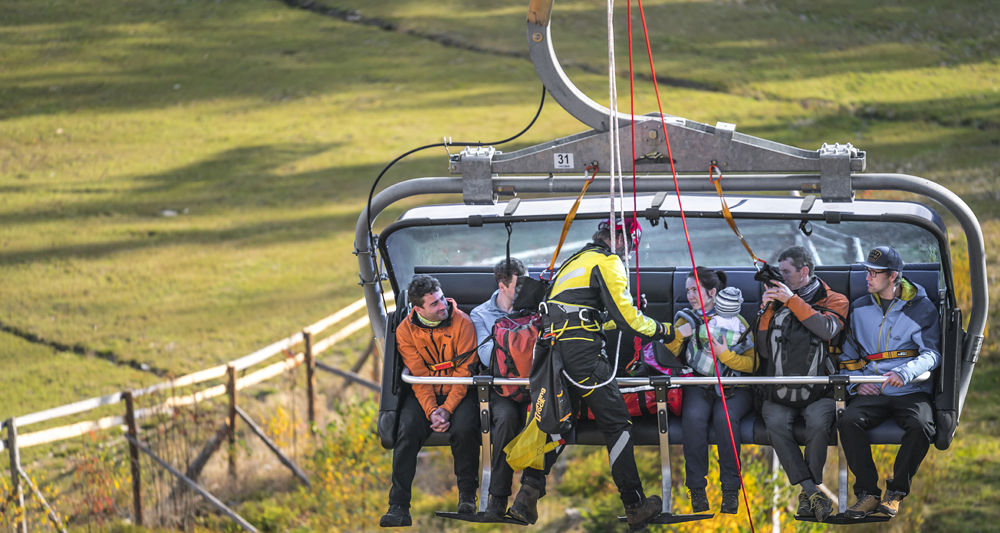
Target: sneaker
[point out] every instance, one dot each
(890, 504)
(396, 516)
(640, 514)
(821, 506)
(525, 508)
(496, 507)
(699, 500)
(730, 502)
(467, 503)
(866, 505)
(804, 509)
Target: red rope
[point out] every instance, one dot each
(637, 344)
(694, 269)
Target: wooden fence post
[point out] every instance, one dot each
(310, 381)
(133, 453)
(231, 391)
(15, 475)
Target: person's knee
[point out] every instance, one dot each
(851, 419)
(916, 427)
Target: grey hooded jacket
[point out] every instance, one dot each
(910, 323)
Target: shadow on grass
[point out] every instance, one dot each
(152, 55)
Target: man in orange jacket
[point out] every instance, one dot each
(436, 339)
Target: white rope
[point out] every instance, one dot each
(615, 151)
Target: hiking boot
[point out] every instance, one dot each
(496, 507)
(396, 516)
(467, 503)
(866, 505)
(699, 500)
(821, 506)
(890, 504)
(525, 507)
(804, 508)
(641, 513)
(730, 502)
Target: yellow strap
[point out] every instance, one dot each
(725, 211)
(856, 364)
(571, 215)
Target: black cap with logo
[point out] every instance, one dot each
(884, 258)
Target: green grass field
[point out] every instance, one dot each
(179, 181)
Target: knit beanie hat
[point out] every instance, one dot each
(728, 302)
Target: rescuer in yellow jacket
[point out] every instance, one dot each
(590, 286)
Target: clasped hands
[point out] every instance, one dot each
(440, 420)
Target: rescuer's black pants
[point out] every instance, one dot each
(413, 431)
(586, 364)
(912, 412)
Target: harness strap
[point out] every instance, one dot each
(854, 364)
(570, 216)
(892, 354)
(858, 364)
(725, 211)
(458, 359)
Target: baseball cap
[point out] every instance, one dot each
(884, 258)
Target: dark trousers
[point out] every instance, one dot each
(508, 419)
(415, 428)
(702, 406)
(912, 412)
(586, 364)
(818, 417)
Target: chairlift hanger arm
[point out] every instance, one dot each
(695, 146)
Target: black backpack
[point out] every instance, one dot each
(796, 351)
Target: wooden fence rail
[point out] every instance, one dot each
(128, 421)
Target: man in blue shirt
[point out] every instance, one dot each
(895, 332)
(508, 415)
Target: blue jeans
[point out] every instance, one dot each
(703, 408)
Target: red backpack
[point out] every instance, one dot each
(513, 351)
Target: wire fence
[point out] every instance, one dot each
(148, 462)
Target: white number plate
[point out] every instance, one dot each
(563, 160)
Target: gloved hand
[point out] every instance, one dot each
(643, 302)
(664, 332)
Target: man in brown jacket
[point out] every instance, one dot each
(436, 339)
(806, 309)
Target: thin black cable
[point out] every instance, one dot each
(371, 194)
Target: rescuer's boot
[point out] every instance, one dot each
(525, 507)
(641, 513)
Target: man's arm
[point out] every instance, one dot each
(413, 361)
(613, 286)
(823, 324)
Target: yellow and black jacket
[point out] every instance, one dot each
(595, 278)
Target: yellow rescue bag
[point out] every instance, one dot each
(528, 448)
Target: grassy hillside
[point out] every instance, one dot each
(179, 181)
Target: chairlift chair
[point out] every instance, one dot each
(458, 242)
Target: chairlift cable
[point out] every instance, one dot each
(694, 269)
